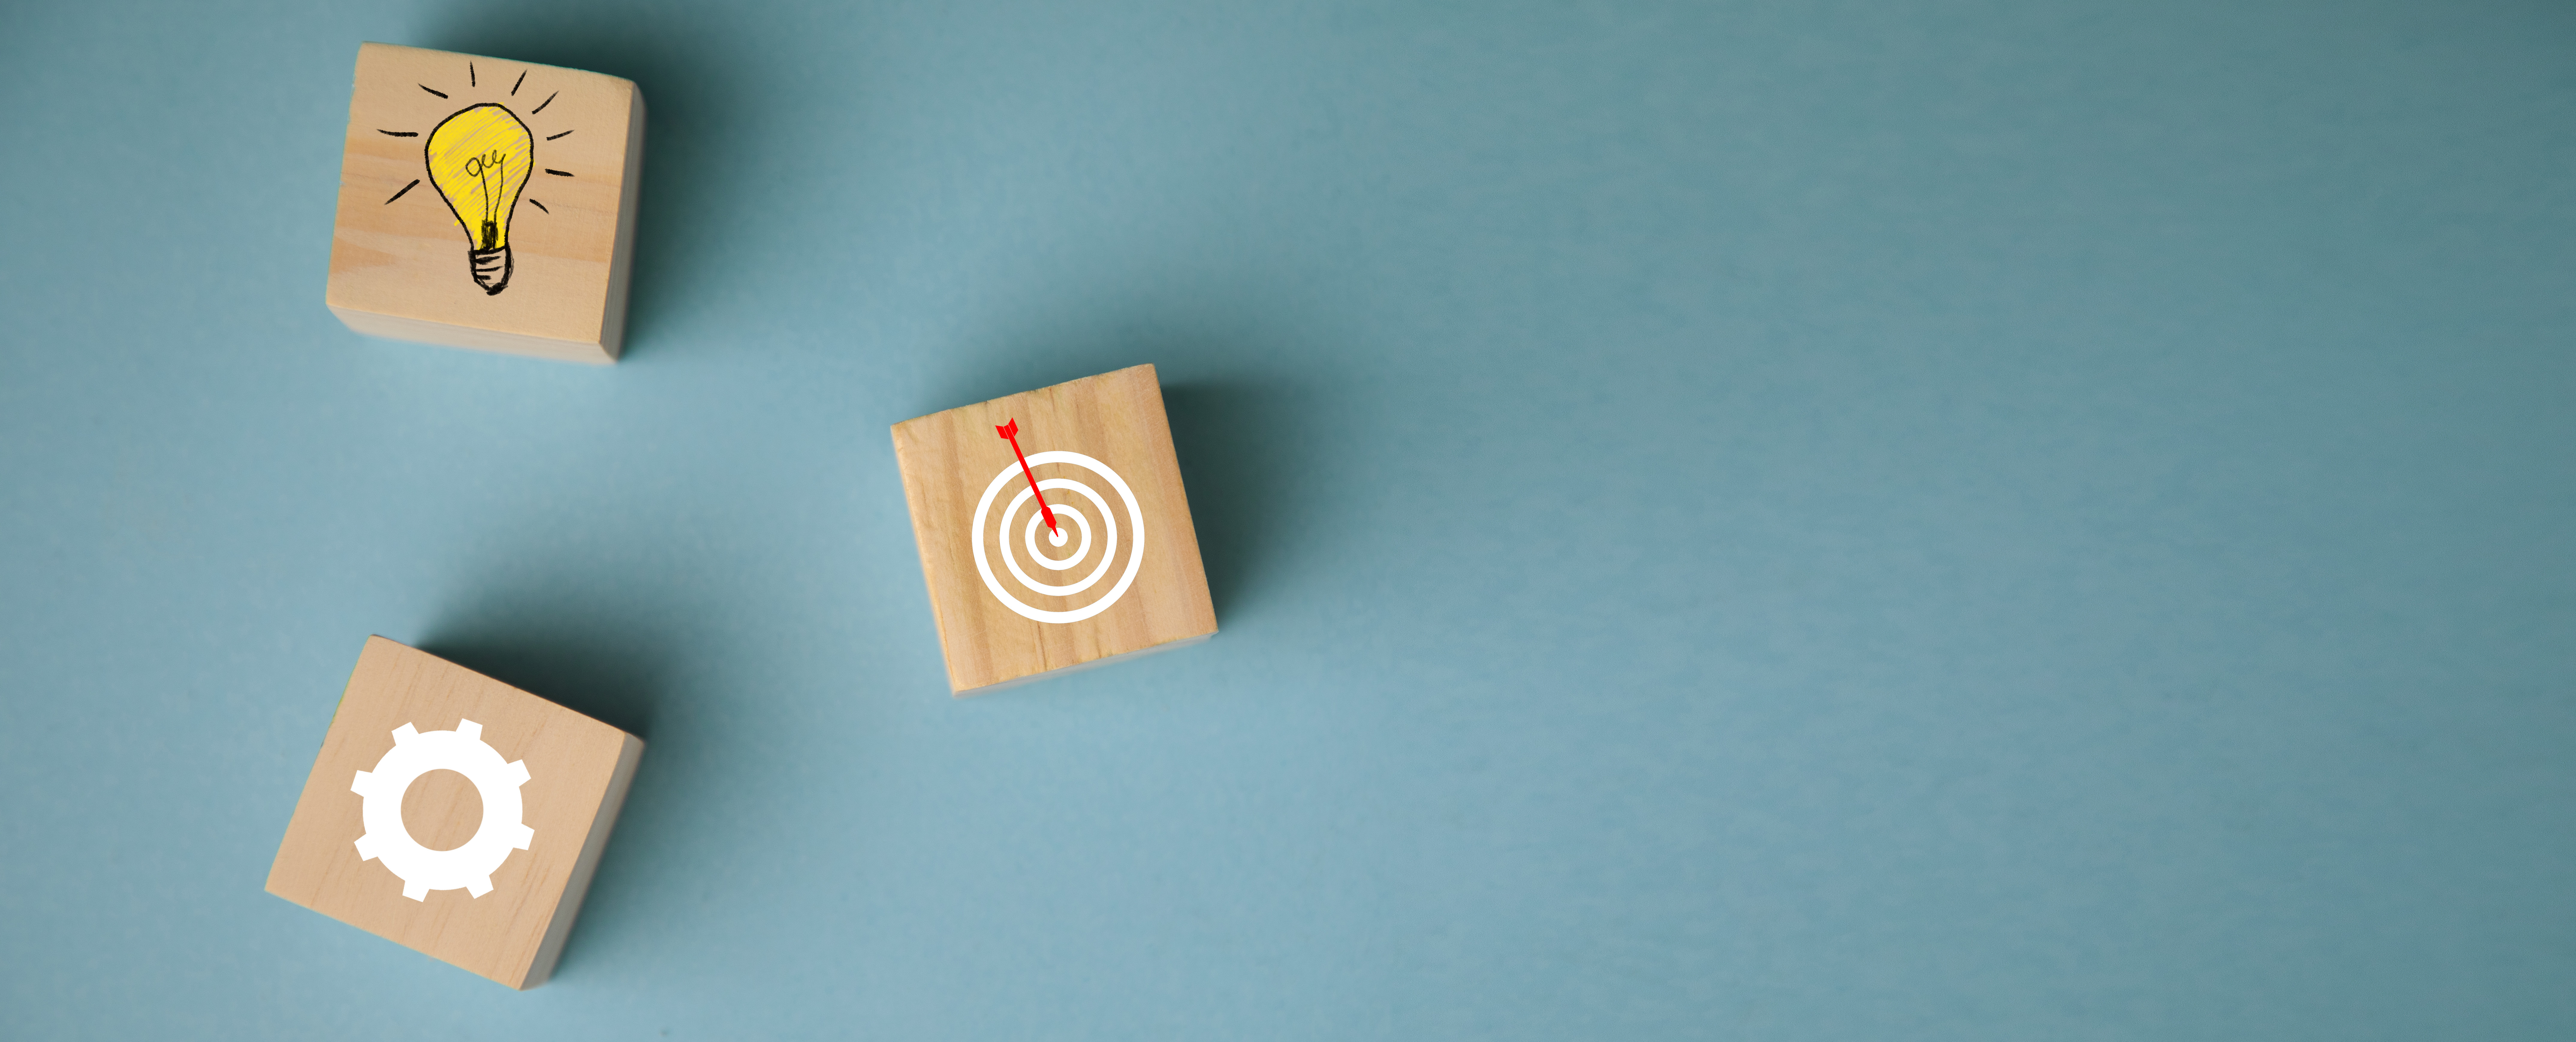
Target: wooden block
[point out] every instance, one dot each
(455, 814)
(487, 204)
(1118, 574)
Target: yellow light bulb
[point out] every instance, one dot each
(479, 158)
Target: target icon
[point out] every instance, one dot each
(1078, 536)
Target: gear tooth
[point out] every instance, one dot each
(361, 783)
(404, 734)
(523, 837)
(415, 891)
(367, 847)
(479, 885)
(520, 769)
(470, 729)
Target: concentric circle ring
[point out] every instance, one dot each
(1108, 536)
(1065, 517)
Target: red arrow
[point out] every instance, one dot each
(1010, 432)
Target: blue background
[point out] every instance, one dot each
(2004, 519)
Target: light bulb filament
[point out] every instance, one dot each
(485, 169)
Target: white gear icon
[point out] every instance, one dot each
(422, 869)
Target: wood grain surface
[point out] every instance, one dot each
(578, 773)
(950, 459)
(399, 254)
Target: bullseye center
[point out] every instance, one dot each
(1057, 536)
(442, 810)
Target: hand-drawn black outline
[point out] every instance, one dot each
(481, 261)
(490, 261)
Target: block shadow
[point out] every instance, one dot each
(1248, 488)
(614, 683)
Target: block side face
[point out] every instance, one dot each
(400, 248)
(425, 332)
(1111, 660)
(621, 266)
(569, 759)
(927, 494)
(1037, 605)
(603, 824)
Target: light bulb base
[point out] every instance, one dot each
(491, 269)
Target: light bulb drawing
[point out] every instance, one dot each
(480, 158)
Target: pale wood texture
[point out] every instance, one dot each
(401, 269)
(578, 774)
(950, 459)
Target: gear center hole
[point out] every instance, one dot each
(442, 810)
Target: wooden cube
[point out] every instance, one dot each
(487, 204)
(455, 814)
(1108, 567)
